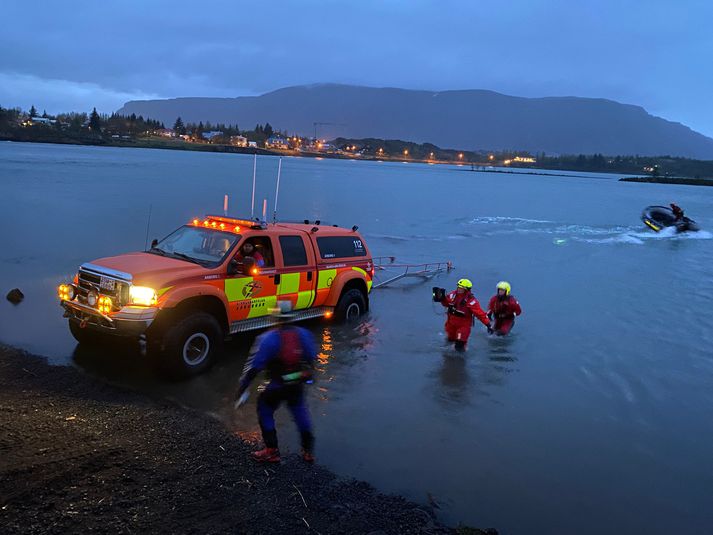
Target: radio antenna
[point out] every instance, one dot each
(277, 192)
(252, 204)
(264, 209)
(148, 224)
(225, 205)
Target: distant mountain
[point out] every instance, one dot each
(468, 119)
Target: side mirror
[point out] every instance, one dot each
(234, 267)
(248, 265)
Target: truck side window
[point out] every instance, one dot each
(261, 251)
(340, 247)
(293, 251)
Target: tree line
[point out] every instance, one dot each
(260, 133)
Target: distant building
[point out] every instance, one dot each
(276, 142)
(165, 132)
(239, 141)
(252, 144)
(212, 134)
(39, 120)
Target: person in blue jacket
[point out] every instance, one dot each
(287, 354)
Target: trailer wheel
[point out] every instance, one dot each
(191, 345)
(351, 306)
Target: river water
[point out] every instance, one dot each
(593, 416)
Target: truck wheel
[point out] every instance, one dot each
(351, 305)
(192, 344)
(86, 336)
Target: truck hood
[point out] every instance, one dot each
(152, 270)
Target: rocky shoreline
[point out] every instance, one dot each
(79, 455)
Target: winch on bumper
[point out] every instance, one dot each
(130, 321)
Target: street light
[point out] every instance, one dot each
(405, 152)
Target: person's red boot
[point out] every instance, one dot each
(308, 457)
(267, 455)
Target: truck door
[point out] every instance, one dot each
(252, 296)
(298, 274)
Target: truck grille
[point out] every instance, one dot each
(102, 285)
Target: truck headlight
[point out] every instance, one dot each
(142, 295)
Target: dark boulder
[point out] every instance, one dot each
(15, 296)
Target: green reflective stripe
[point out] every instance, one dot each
(360, 270)
(304, 299)
(234, 288)
(289, 283)
(261, 306)
(325, 278)
(163, 291)
(369, 282)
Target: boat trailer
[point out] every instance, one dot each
(396, 271)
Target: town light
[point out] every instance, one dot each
(142, 296)
(405, 152)
(460, 156)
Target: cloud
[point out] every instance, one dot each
(56, 96)
(645, 52)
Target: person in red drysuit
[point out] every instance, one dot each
(503, 308)
(677, 211)
(462, 308)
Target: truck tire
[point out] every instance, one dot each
(86, 336)
(192, 344)
(351, 305)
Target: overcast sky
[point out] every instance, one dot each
(73, 55)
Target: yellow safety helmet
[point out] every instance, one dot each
(503, 285)
(465, 283)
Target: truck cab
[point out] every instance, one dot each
(215, 277)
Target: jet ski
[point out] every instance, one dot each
(661, 217)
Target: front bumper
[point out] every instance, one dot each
(130, 321)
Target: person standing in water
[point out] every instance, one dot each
(462, 307)
(503, 308)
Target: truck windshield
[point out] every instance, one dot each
(199, 245)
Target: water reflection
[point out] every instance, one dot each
(340, 348)
(462, 377)
(454, 379)
(499, 348)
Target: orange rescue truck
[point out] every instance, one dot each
(193, 289)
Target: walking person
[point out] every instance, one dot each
(287, 354)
